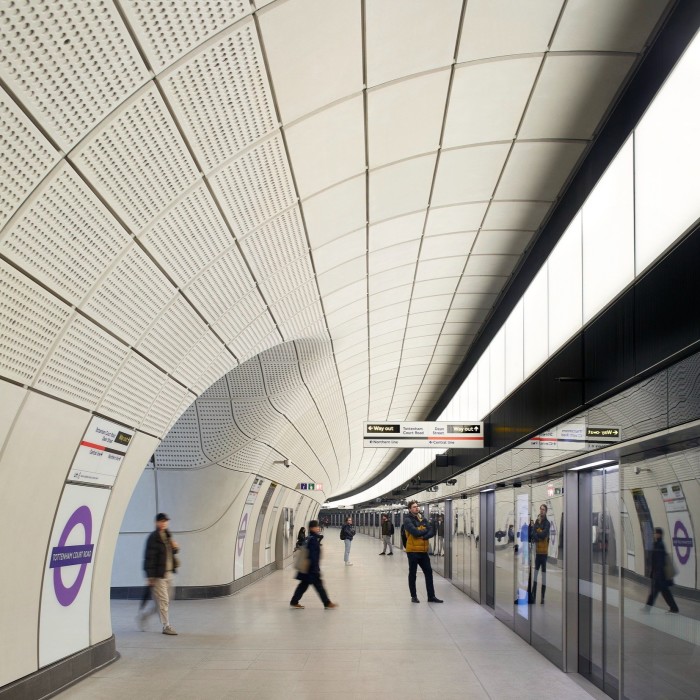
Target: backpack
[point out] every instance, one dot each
(404, 536)
(301, 559)
(342, 532)
(391, 528)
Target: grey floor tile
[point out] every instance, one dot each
(253, 646)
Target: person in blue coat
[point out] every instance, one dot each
(312, 577)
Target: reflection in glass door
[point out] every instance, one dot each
(599, 584)
(503, 552)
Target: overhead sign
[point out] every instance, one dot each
(576, 436)
(467, 434)
(100, 453)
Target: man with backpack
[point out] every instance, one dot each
(387, 532)
(309, 569)
(418, 532)
(347, 532)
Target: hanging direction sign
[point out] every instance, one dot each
(436, 435)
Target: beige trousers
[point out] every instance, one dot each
(161, 594)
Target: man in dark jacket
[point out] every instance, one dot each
(160, 565)
(540, 536)
(659, 581)
(347, 532)
(418, 531)
(387, 532)
(312, 577)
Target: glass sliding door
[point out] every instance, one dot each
(503, 556)
(599, 586)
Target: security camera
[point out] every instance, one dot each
(287, 463)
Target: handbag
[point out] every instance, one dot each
(669, 568)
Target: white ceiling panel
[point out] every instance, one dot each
(468, 174)
(461, 217)
(335, 211)
(572, 109)
(491, 264)
(623, 25)
(395, 295)
(398, 230)
(346, 295)
(215, 202)
(222, 285)
(70, 65)
(221, 96)
(400, 188)
(425, 318)
(347, 313)
(188, 236)
(409, 36)
(25, 157)
(434, 285)
(168, 31)
(434, 303)
(501, 242)
(336, 252)
(516, 215)
(538, 170)
(328, 146)
(438, 246)
(488, 99)
(387, 312)
(324, 61)
(437, 268)
(137, 159)
(403, 254)
(255, 187)
(504, 28)
(342, 275)
(486, 284)
(405, 118)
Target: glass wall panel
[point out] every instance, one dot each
(608, 234)
(505, 570)
(459, 536)
(667, 151)
(661, 649)
(437, 543)
(473, 543)
(565, 295)
(536, 343)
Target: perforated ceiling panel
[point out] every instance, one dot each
(25, 157)
(186, 186)
(69, 63)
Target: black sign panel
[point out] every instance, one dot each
(383, 428)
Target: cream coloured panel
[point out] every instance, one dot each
(138, 454)
(11, 397)
(33, 469)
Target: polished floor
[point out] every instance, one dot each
(377, 643)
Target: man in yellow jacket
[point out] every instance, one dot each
(418, 531)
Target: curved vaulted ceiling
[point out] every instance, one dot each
(317, 200)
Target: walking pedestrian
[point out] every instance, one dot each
(160, 563)
(661, 574)
(312, 577)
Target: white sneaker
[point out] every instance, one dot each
(169, 630)
(348, 563)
